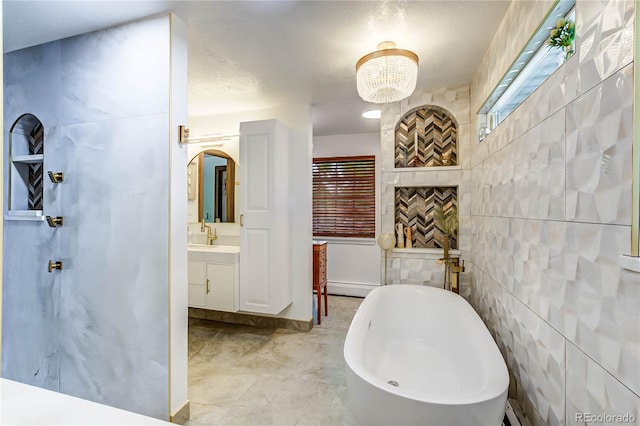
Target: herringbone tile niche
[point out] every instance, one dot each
(426, 137)
(414, 207)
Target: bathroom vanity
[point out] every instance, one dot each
(261, 283)
(214, 277)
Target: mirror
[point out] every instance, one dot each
(211, 181)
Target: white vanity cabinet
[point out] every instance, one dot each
(213, 281)
(265, 228)
(221, 287)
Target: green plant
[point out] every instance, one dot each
(446, 220)
(562, 36)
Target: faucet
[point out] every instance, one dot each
(452, 268)
(455, 267)
(210, 236)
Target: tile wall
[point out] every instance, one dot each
(420, 266)
(550, 215)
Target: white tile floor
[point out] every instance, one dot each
(242, 375)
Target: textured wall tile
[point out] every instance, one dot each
(477, 190)
(456, 101)
(538, 362)
(388, 201)
(477, 242)
(393, 270)
(479, 151)
(568, 274)
(388, 223)
(499, 173)
(604, 39)
(492, 247)
(599, 137)
(538, 162)
(591, 390)
(561, 283)
(602, 300)
(465, 135)
(417, 271)
(489, 295)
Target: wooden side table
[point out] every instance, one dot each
(320, 275)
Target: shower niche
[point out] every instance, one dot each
(26, 169)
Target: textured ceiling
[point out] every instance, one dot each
(246, 55)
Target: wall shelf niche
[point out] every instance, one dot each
(415, 208)
(26, 169)
(426, 137)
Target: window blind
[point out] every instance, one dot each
(344, 197)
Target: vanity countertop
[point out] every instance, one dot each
(213, 253)
(319, 242)
(214, 248)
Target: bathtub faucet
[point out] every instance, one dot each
(452, 268)
(456, 265)
(211, 236)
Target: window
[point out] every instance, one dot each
(533, 66)
(344, 197)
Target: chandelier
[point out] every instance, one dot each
(387, 75)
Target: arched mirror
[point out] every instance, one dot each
(211, 177)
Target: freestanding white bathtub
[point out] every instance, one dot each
(420, 355)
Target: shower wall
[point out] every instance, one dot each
(99, 328)
(551, 214)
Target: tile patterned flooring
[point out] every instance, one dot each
(243, 375)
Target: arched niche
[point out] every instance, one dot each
(426, 136)
(26, 157)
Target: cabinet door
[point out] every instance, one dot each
(265, 283)
(221, 287)
(197, 278)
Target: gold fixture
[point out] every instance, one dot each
(207, 285)
(54, 221)
(183, 134)
(452, 268)
(54, 265)
(387, 75)
(210, 236)
(455, 267)
(447, 222)
(56, 177)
